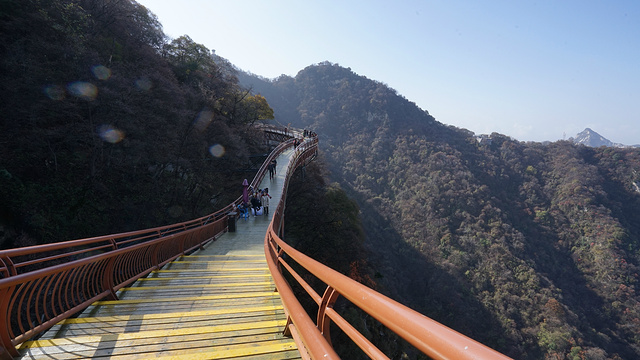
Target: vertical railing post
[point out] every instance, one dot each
(107, 278)
(10, 268)
(324, 322)
(202, 239)
(279, 256)
(155, 255)
(8, 351)
(182, 239)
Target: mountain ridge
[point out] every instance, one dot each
(501, 240)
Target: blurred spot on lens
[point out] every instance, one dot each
(217, 150)
(203, 120)
(55, 92)
(110, 134)
(101, 72)
(144, 84)
(83, 90)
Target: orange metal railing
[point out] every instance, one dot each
(313, 339)
(41, 285)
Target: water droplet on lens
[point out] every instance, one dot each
(144, 84)
(217, 150)
(110, 134)
(83, 90)
(55, 92)
(101, 72)
(203, 120)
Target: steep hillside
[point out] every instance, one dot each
(109, 126)
(531, 249)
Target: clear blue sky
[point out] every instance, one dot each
(533, 70)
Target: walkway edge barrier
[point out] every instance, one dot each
(427, 335)
(41, 285)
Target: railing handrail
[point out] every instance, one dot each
(116, 240)
(64, 278)
(61, 290)
(432, 338)
(45, 248)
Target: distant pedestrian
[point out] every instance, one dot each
(256, 204)
(265, 200)
(270, 168)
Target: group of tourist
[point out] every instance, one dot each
(305, 133)
(258, 202)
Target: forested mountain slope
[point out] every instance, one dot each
(108, 126)
(532, 249)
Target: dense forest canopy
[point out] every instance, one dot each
(107, 125)
(530, 248)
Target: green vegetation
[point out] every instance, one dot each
(531, 249)
(109, 126)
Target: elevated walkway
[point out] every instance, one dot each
(217, 303)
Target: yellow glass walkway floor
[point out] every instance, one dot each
(217, 303)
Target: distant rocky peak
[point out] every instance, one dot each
(591, 138)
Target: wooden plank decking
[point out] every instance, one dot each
(218, 303)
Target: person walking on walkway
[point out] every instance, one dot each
(272, 169)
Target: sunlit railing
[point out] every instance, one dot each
(313, 339)
(42, 285)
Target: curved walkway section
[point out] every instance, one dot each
(217, 303)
